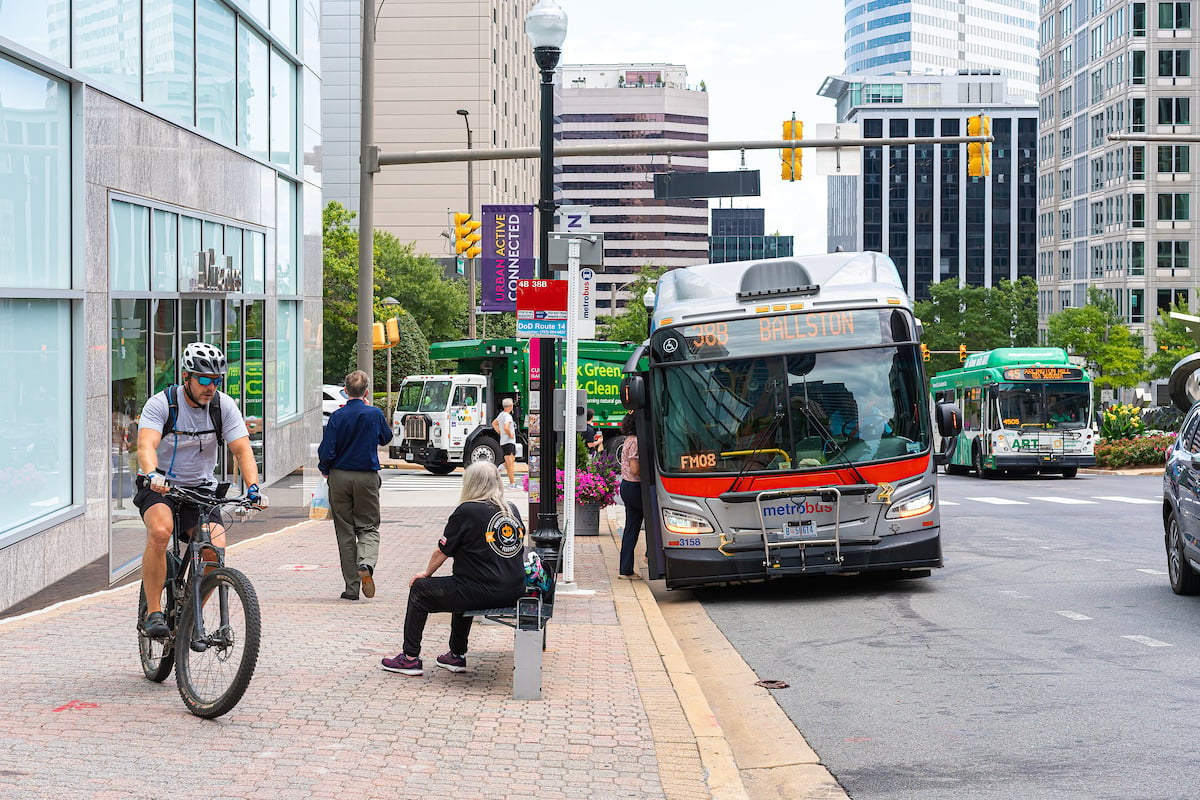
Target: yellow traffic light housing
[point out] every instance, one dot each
(979, 154)
(962, 352)
(924, 352)
(466, 236)
(377, 340)
(792, 129)
(393, 330)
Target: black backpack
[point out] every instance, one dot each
(214, 414)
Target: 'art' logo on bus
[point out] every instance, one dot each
(791, 509)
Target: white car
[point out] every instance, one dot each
(334, 398)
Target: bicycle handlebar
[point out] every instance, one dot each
(207, 499)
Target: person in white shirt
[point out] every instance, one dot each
(504, 425)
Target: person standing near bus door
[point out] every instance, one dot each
(503, 425)
(631, 496)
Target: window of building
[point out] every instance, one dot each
(1137, 210)
(168, 80)
(283, 111)
(1064, 101)
(1065, 183)
(1172, 255)
(1174, 16)
(287, 348)
(1174, 158)
(1064, 224)
(1174, 64)
(1137, 114)
(111, 51)
(254, 92)
(1137, 306)
(1137, 258)
(1137, 162)
(1174, 111)
(1065, 137)
(216, 93)
(1065, 65)
(1137, 67)
(1138, 19)
(1173, 206)
(1097, 173)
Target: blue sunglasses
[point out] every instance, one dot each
(204, 380)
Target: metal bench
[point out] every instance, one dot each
(528, 620)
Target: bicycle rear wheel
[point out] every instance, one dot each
(156, 654)
(213, 680)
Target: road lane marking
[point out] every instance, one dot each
(1015, 594)
(1134, 500)
(1075, 615)
(999, 501)
(1153, 571)
(947, 503)
(1146, 640)
(1066, 501)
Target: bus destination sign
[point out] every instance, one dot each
(1043, 374)
(773, 334)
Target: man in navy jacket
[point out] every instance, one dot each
(349, 458)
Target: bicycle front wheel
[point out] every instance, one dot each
(156, 655)
(214, 670)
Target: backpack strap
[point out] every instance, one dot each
(214, 414)
(173, 409)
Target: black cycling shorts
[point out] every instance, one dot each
(509, 449)
(189, 516)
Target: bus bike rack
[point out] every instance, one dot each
(801, 544)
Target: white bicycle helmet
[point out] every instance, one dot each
(204, 358)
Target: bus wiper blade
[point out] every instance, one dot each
(827, 438)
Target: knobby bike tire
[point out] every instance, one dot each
(212, 682)
(156, 654)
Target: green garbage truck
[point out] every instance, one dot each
(444, 421)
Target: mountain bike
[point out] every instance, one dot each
(212, 613)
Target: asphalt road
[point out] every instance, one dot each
(1048, 659)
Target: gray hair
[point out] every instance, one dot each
(481, 483)
(356, 384)
(507, 402)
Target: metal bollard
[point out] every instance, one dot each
(527, 650)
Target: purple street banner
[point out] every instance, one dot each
(507, 255)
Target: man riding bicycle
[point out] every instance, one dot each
(185, 454)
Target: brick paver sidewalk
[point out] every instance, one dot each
(322, 720)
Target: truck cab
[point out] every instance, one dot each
(445, 421)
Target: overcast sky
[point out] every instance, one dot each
(760, 61)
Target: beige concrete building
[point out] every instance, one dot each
(432, 59)
(619, 103)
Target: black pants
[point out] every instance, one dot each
(431, 595)
(631, 496)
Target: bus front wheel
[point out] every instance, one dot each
(1070, 472)
(980, 470)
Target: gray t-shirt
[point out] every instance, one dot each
(191, 460)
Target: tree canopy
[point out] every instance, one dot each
(630, 324)
(1098, 334)
(982, 318)
(1171, 342)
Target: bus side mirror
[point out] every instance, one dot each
(633, 392)
(948, 420)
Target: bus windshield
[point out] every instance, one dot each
(435, 396)
(790, 412)
(1043, 405)
(409, 397)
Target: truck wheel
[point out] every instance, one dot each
(485, 449)
(440, 469)
(612, 445)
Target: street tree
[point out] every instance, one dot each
(982, 318)
(630, 324)
(1171, 342)
(1098, 334)
(439, 306)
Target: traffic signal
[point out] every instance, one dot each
(979, 154)
(466, 236)
(962, 352)
(924, 352)
(377, 340)
(792, 129)
(393, 330)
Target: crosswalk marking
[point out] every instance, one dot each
(1133, 500)
(1146, 640)
(999, 501)
(1066, 501)
(1153, 571)
(1075, 615)
(947, 503)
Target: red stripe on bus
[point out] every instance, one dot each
(711, 487)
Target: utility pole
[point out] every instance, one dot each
(368, 165)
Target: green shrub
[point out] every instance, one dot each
(1133, 452)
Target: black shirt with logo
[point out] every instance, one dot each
(487, 545)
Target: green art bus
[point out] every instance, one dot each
(1023, 409)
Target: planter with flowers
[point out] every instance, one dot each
(597, 483)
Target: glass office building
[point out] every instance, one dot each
(133, 138)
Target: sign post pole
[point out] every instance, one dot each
(571, 372)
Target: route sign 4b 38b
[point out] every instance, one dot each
(541, 308)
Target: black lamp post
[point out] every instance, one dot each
(546, 27)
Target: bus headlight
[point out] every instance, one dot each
(913, 506)
(685, 524)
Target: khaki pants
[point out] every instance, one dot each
(354, 503)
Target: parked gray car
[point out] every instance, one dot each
(1181, 506)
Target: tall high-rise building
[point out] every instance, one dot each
(931, 36)
(739, 234)
(1117, 214)
(138, 140)
(916, 202)
(619, 103)
(431, 60)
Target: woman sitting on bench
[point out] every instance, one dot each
(485, 537)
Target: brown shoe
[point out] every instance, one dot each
(368, 582)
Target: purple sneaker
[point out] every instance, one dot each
(452, 662)
(404, 665)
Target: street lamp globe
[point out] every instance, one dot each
(390, 301)
(546, 25)
(648, 299)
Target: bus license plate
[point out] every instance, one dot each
(804, 529)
